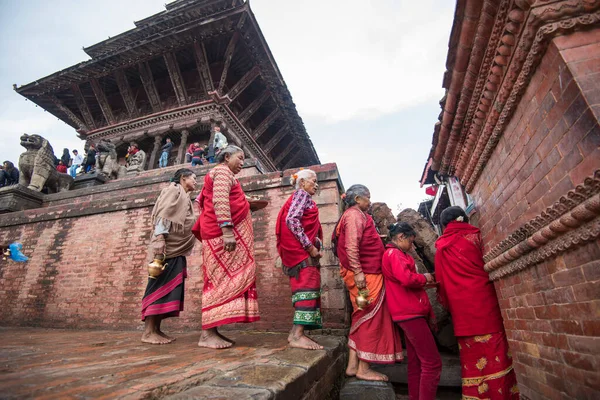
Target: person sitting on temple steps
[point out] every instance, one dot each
(9, 175)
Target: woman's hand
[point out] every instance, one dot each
(429, 277)
(314, 252)
(159, 246)
(229, 242)
(360, 281)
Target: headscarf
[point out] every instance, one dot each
(172, 206)
(65, 157)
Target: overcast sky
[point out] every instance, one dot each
(365, 76)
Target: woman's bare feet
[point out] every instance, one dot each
(225, 338)
(303, 342)
(210, 338)
(161, 333)
(364, 372)
(154, 338)
(352, 367)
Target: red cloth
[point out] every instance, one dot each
(405, 296)
(207, 226)
(464, 286)
(424, 361)
(192, 148)
(133, 151)
(370, 245)
(61, 168)
(289, 248)
(486, 368)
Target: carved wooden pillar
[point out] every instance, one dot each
(182, 146)
(152, 162)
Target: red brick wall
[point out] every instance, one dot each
(88, 256)
(551, 310)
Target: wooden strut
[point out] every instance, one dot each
(284, 153)
(254, 106)
(176, 79)
(203, 67)
(103, 101)
(291, 161)
(227, 60)
(126, 93)
(264, 125)
(275, 139)
(74, 118)
(149, 86)
(243, 83)
(83, 107)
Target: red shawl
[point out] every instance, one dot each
(207, 226)
(465, 288)
(289, 248)
(370, 246)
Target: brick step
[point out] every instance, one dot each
(450, 371)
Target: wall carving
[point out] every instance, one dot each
(573, 220)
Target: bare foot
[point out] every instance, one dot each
(161, 333)
(226, 338)
(213, 341)
(370, 375)
(303, 342)
(154, 338)
(351, 371)
(352, 367)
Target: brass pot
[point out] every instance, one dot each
(156, 267)
(362, 300)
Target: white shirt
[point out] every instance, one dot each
(77, 160)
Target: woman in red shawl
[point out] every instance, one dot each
(225, 229)
(299, 238)
(466, 291)
(373, 337)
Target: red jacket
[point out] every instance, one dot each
(404, 294)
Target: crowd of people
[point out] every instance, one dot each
(9, 174)
(386, 291)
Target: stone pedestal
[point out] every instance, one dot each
(355, 389)
(88, 180)
(19, 198)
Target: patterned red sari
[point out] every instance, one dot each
(466, 291)
(229, 292)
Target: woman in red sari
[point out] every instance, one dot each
(299, 238)
(373, 336)
(225, 229)
(466, 291)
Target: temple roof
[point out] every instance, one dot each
(213, 25)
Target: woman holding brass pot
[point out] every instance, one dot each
(373, 336)
(172, 240)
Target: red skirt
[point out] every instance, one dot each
(306, 297)
(486, 365)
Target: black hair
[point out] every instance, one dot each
(353, 191)
(451, 213)
(181, 173)
(398, 228)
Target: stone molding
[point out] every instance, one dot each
(574, 219)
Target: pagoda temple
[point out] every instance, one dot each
(177, 74)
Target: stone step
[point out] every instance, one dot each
(356, 389)
(450, 370)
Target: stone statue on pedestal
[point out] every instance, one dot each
(136, 159)
(106, 162)
(37, 168)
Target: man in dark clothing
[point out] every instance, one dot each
(90, 159)
(164, 157)
(9, 175)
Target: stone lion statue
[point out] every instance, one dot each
(107, 162)
(37, 168)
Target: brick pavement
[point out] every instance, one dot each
(65, 364)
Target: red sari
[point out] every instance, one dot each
(466, 291)
(304, 271)
(373, 334)
(229, 292)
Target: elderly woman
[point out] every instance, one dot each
(466, 291)
(410, 309)
(173, 218)
(225, 228)
(299, 238)
(373, 336)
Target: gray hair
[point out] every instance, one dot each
(353, 191)
(302, 174)
(229, 150)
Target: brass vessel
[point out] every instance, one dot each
(156, 267)
(362, 299)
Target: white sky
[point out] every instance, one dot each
(365, 76)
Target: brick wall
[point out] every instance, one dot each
(551, 310)
(88, 256)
